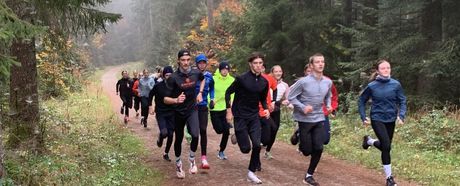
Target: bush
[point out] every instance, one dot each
(424, 149)
(433, 131)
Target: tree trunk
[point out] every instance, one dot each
(24, 94)
(2, 168)
(370, 18)
(210, 5)
(24, 105)
(432, 21)
(431, 29)
(347, 22)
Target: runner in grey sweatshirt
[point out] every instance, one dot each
(146, 84)
(308, 96)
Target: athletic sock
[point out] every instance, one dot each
(308, 175)
(371, 141)
(387, 169)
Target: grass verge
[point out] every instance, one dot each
(85, 146)
(427, 167)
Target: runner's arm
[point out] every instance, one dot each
(117, 86)
(211, 89)
(151, 95)
(327, 99)
(263, 97)
(294, 92)
(230, 90)
(334, 98)
(363, 98)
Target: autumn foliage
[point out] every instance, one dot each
(60, 67)
(201, 39)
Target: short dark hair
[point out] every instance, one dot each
(256, 55)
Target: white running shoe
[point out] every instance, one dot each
(193, 169)
(180, 173)
(253, 178)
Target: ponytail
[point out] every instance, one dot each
(376, 68)
(373, 76)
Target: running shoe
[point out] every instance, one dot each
(365, 139)
(166, 157)
(193, 169)
(391, 181)
(310, 181)
(204, 162)
(179, 172)
(252, 177)
(268, 155)
(221, 156)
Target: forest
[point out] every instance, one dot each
(53, 54)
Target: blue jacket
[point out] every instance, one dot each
(208, 88)
(387, 98)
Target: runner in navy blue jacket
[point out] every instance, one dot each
(388, 106)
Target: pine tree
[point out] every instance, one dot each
(288, 32)
(62, 17)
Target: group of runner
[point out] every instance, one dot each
(252, 101)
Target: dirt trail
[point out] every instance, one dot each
(288, 167)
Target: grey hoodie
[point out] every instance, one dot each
(310, 91)
(145, 86)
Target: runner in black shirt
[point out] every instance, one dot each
(250, 89)
(124, 86)
(183, 94)
(164, 113)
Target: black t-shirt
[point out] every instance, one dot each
(186, 83)
(249, 90)
(160, 91)
(124, 86)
